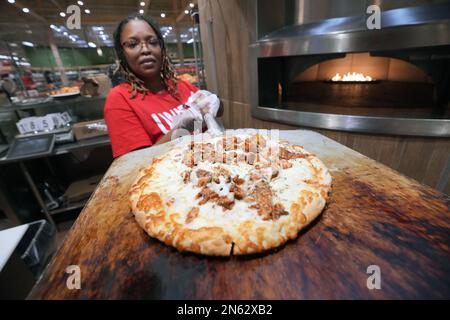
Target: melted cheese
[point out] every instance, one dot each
(168, 182)
(222, 188)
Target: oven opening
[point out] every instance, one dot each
(362, 84)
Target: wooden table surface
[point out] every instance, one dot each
(375, 216)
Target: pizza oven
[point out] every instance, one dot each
(317, 64)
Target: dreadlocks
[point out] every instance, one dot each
(167, 73)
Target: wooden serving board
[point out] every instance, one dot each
(375, 216)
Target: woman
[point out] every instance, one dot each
(149, 105)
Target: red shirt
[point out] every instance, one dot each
(135, 123)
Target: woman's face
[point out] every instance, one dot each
(142, 49)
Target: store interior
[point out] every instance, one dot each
(55, 76)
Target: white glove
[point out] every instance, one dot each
(204, 102)
(186, 119)
(214, 127)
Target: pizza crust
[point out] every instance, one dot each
(166, 203)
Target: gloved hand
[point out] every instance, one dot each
(186, 119)
(204, 102)
(214, 128)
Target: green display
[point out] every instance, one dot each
(42, 57)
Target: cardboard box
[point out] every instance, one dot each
(81, 189)
(90, 129)
(96, 85)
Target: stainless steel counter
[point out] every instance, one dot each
(49, 103)
(65, 148)
(58, 149)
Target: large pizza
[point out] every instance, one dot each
(230, 195)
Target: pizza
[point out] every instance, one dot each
(230, 195)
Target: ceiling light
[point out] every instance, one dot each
(190, 41)
(186, 11)
(142, 4)
(92, 45)
(101, 32)
(87, 11)
(163, 15)
(11, 1)
(80, 3)
(65, 33)
(170, 28)
(141, 11)
(99, 52)
(28, 44)
(52, 26)
(191, 5)
(29, 31)
(62, 14)
(12, 44)
(55, 28)
(26, 10)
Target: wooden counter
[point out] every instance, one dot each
(375, 216)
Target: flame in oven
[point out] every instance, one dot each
(358, 77)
